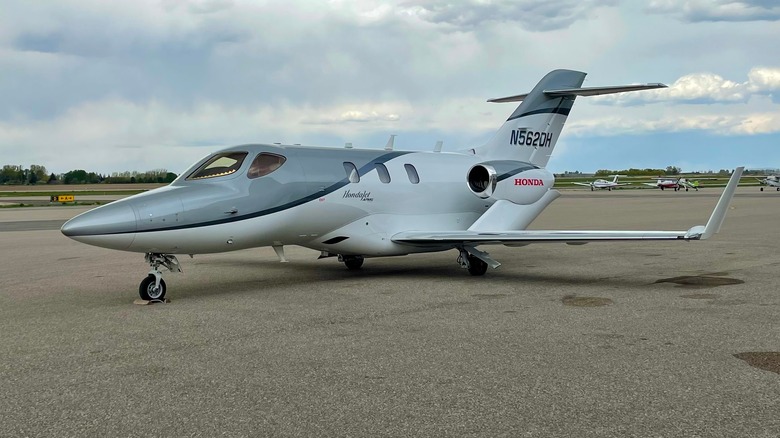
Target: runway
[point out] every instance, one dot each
(605, 339)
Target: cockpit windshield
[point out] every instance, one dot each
(264, 164)
(219, 165)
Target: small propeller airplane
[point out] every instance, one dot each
(665, 183)
(354, 204)
(770, 181)
(674, 183)
(685, 183)
(603, 184)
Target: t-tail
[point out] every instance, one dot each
(533, 129)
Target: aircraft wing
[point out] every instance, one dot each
(574, 237)
(582, 184)
(651, 184)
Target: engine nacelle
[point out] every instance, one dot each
(514, 181)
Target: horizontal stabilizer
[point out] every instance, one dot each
(586, 91)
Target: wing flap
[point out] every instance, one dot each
(532, 236)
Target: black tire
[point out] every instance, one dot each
(662, 187)
(591, 188)
(476, 266)
(147, 290)
(762, 189)
(353, 263)
(686, 189)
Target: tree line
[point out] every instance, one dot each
(670, 170)
(36, 174)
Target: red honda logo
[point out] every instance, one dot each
(528, 182)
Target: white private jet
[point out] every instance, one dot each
(603, 184)
(354, 204)
(770, 181)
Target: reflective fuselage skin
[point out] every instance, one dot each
(308, 201)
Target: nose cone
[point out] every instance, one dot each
(110, 226)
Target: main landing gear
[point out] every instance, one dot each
(153, 288)
(353, 263)
(475, 261)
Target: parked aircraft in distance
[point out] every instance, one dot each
(665, 183)
(770, 181)
(674, 183)
(603, 184)
(353, 204)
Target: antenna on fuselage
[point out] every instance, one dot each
(438, 146)
(390, 142)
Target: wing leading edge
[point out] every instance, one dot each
(457, 238)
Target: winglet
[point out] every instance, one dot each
(716, 219)
(390, 141)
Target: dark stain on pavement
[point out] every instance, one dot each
(764, 360)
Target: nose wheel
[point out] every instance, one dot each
(150, 290)
(153, 288)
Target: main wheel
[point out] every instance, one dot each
(476, 266)
(353, 263)
(149, 292)
(762, 189)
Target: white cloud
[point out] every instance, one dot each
(718, 10)
(704, 88)
(724, 124)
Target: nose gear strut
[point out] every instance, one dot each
(152, 288)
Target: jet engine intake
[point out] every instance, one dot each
(482, 180)
(517, 182)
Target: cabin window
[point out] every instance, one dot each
(384, 175)
(352, 173)
(411, 172)
(264, 164)
(222, 164)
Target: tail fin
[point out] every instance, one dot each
(531, 132)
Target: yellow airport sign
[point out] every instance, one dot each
(62, 198)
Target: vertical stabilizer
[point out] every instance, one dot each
(531, 132)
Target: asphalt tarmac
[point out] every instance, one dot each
(605, 339)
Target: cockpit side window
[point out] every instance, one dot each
(219, 165)
(264, 164)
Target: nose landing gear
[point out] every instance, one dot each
(153, 288)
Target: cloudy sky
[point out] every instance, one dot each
(146, 84)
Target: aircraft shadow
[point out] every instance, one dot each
(276, 276)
